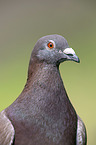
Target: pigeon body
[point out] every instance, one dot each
(43, 113)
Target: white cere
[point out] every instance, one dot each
(69, 51)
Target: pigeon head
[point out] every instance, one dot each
(53, 49)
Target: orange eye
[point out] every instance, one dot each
(50, 45)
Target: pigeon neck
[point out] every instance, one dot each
(36, 68)
(45, 76)
(45, 87)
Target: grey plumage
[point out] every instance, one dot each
(81, 138)
(7, 131)
(43, 113)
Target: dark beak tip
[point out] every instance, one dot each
(78, 60)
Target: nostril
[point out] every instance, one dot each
(70, 54)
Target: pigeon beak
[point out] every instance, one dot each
(70, 55)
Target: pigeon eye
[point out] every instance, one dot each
(50, 45)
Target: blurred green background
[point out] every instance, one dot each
(23, 22)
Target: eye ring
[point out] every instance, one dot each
(50, 45)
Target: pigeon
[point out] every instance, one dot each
(43, 113)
